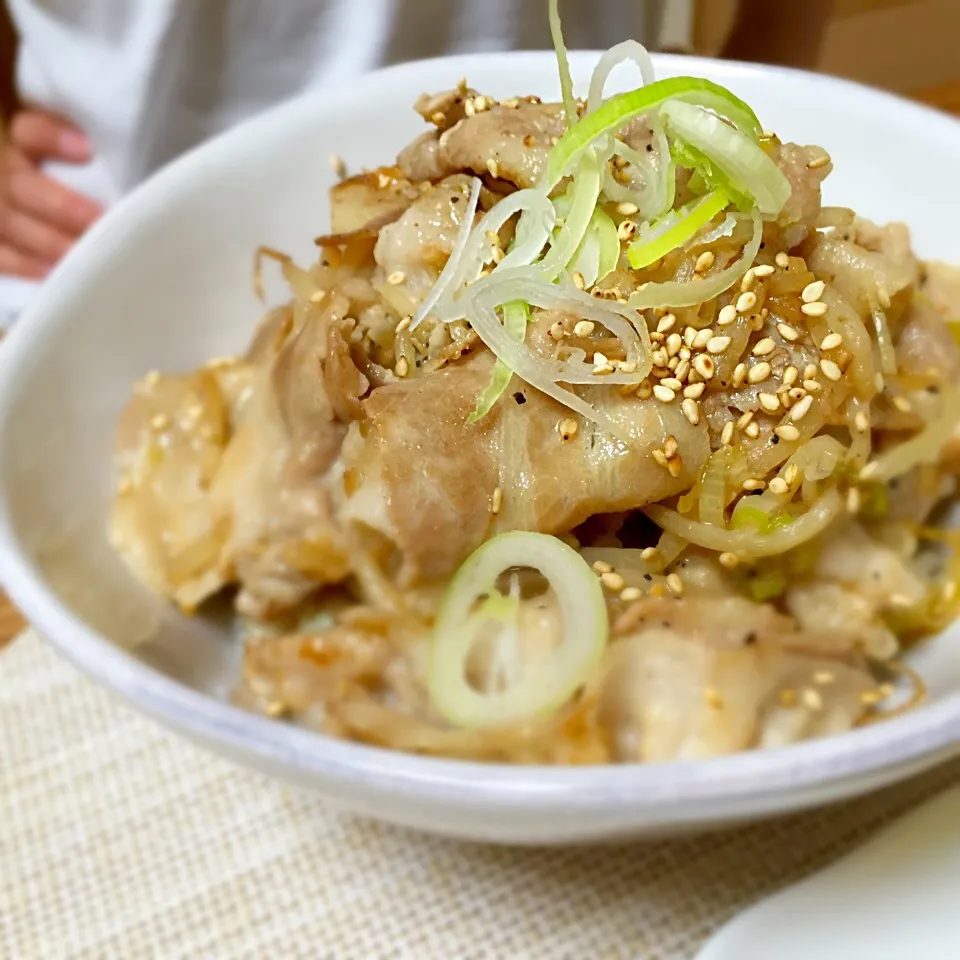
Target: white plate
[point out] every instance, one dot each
(164, 282)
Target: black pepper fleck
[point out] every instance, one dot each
(519, 397)
(648, 577)
(750, 638)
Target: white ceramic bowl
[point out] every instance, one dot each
(164, 282)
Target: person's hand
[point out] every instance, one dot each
(40, 218)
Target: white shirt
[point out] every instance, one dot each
(148, 79)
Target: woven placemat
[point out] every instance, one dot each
(119, 840)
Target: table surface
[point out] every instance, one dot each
(945, 97)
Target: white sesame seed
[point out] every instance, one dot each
(704, 366)
(556, 330)
(813, 291)
(746, 302)
(659, 357)
(397, 277)
(763, 270)
(689, 335)
(671, 383)
(702, 338)
(744, 419)
(627, 209)
(612, 581)
(567, 428)
(787, 431)
(787, 332)
(583, 328)
(778, 486)
(694, 391)
(704, 261)
(739, 374)
(670, 446)
(830, 370)
(717, 345)
(811, 699)
(627, 230)
(601, 566)
(817, 309)
(496, 500)
(753, 484)
(753, 430)
(663, 394)
(691, 410)
(337, 165)
(402, 367)
(628, 366)
(674, 583)
(727, 315)
(759, 372)
(770, 402)
(791, 474)
(824, 677)
(726, 435)
(685, 353)
(403, 324)
(861, 421)
(682, 370)
(801, 409)
(790, 376)
(644, 390)
(902, 404)
(764, 347)
(749, 278)
(629, 594)
(809, 371)
(782, 260)
(493, 167)
(578, 281)
(674, 343)
(317, 296)
(853, 500)
(817, 162)
(728, 560)
(666, 323)
(831, 341)
(649, 554)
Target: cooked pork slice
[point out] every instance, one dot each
(941, 283)
(805, 169)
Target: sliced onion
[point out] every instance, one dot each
(713, 488)
(449, 272)
(541, 687)
(599, 253)
(751, 543)
(620, 109)
(888, 359)
(516, 315)
(724, 229)
(736, 154)
(690, 293)
(627, 50)
(657, 239)
(563, 65)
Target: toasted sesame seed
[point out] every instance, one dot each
(764, 347)
(600, 360)
(694, 391)
(674, 343)
(746, 302)
(752, 430)
(791, 473)
(160, 421)
(812, 699)
(759, 372)
(691, 410)
(629, 594)
(649, 554)
(809, 371)
(675, 466)
(813, 291)
(567, 428)
(493, 167)
(627, 209)
(583, 328)
(853, 500)
(869, 470)
(744, 419)
(878, 381)
(704, 366)
(830, 370)
(801, 409)
(403, 324)
(817, 162)
(704, 261)
(726, 435)
(612, 581)
(729, 561)
(397, 277)
(601, 566)
(659, 357)
(716, 345)
(317, 296)
(790, 376)
(739, 374)
(663, 394)
(787, 431)
(628, 366)
(754, 484)
(670, 446)
(674, 583)
(727, 315)
(496, 501)
(782, 260)
(627, 230)
(337, 165)
(902, 404)
(870, 698)
(778, 486)
(682, 370)
(556, 330)
(817, 309)
(644, 390)
(578, 281)
(713, 698)
(763, 270)
(672, 383)
(702, 338)
(861, 421)
(770, 402)
(402, 367)
(685, 353)
(666, 324)
(511, 103)
(787, 332)
(812, 386)
(749, 278)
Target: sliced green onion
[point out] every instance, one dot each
(707, 174)
(538, 688)
(673, 230)
(516, 316)
(743, 163)
(768, 584)
(563, 65)
(599, 253)
(619, 110)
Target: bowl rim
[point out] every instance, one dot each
(930, 730)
